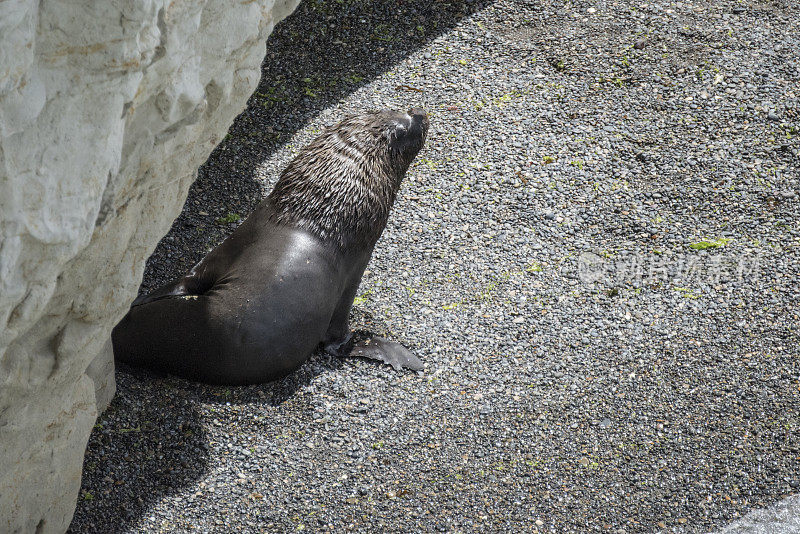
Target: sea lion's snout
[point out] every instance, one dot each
(407, 132)
(418, 123)
(418, 116)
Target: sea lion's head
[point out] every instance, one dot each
(342, 185)
(406, 133)
(387, 140)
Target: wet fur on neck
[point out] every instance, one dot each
(342, 185)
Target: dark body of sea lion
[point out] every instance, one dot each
(260, 303)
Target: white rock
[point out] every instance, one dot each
(106, 111)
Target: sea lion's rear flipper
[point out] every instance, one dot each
(197, 282)
(173, 289)
(395, 354)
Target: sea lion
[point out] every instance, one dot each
(259, 304)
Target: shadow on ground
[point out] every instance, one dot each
(147, 443)
(150, 441)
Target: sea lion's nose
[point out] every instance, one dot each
(418, 115)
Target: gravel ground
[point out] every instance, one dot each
(596, 255)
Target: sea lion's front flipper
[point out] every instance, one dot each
(395, 354)
(338, 348)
